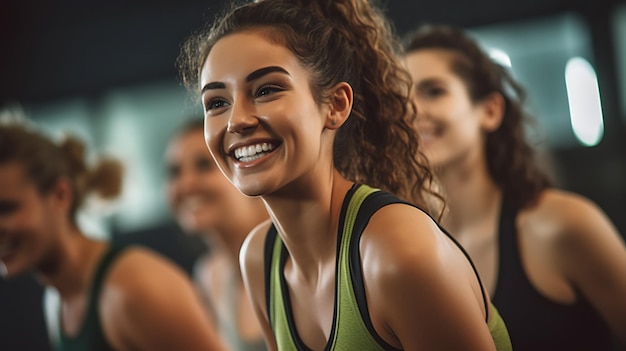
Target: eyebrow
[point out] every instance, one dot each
(263, 71)
(429, 81)
(252, 76)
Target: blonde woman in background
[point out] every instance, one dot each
(111, 297)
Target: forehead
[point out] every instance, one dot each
(429, 61)
(236, 55)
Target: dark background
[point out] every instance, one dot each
(53, 50)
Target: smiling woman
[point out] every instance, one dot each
(323, 134)
(552, 261)
(206, 204)
(112, 297)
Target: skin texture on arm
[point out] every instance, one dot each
(149, 304)
(253, 273)
(421, 290)
(590, 253)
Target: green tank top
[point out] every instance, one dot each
(352, 328)
(91, 336)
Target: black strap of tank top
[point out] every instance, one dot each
(372, 204)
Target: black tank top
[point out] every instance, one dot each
(91, 336)
(535, 322)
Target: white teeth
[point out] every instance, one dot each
(252, 152)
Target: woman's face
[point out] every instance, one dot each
(449, 123)
(27, 221)
(262, 124)
(201, 198)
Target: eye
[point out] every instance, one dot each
(433, 92)
(8, 207)
(173, 172)
(215, 103)
(204, 164)
(266, 90)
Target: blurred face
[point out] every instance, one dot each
(201, 198)
(262, 124)
(449, 123)
(26, 221)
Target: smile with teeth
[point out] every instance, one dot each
(252, 152)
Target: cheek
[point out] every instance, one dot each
(215, 181)
(214, 130)
(170, 193)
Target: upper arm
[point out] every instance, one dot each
(419, 286)
(592, 255)
(149, 304)
(252, 263)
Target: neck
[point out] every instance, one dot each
(69, 266)
(308, 222)
(471, 194)
(227, 240)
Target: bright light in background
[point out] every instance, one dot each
(500, 57)
(583, 96)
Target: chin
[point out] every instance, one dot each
(251, 189)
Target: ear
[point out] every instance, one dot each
(493, 111)
(340, 105)
(61, 196)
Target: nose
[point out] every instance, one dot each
(186, 182)
(242, 118)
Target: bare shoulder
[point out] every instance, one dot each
(148, 302)
(140, 276)
(562, 216)
(251, 262)
(252, 250)
(416, 283)
(401, 241)
(403, 232)
(138, 267)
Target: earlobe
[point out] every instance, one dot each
(493, 106)
(340, 105)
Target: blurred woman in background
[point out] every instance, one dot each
(112, 298)
(552, 261)
(206, 203)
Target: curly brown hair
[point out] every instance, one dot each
(45, 162)
(511, 160)
(340, 41)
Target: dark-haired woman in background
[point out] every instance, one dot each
(553, 263)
